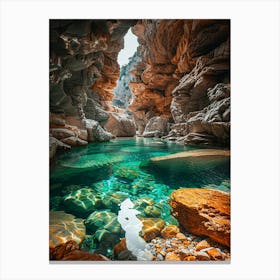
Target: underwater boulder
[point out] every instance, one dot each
(153, 211)
(200, 166)
(113, 200)
(88, 243)
(82, 202)
(201, 158)
(126, 173)
(103, 219)
(106, 238)
(66, 232)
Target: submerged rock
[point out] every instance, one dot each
(66, 232)
(113, 200)
(103, 219)
(82, 202)
(78, 255)
(126, 173)
(203, 212)
(153, 211)
(106, 238)
(198, 157)
(88, 243)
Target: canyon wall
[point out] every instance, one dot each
(83, 73)
(182, 83)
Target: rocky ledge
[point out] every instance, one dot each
(203, 212)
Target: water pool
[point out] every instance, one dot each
(102, 175)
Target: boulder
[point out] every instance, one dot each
(82, 202)
(120, 125)
(151, 227)
(103, 219)
(96, 132)
(113, 199)
(203, 212)
(156, 127)
(190, 160)
(170, 231)
(66, 232)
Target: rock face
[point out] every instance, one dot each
(122, 92)
(83, 73)
(120, 125)
(184, 76)
(156, 127)
(66, 233)
(203, 212)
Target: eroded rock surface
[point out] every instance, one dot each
(184, 77)
(156, 127)
(83, 73)
(120, 125)
(203, 212)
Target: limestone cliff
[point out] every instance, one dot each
(180, 85)
(83, 73)
(184, 78)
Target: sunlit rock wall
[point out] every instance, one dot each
(184, 77)
(83, 73)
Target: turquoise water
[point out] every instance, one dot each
(109, 172)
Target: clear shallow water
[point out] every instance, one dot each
(118, 169)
